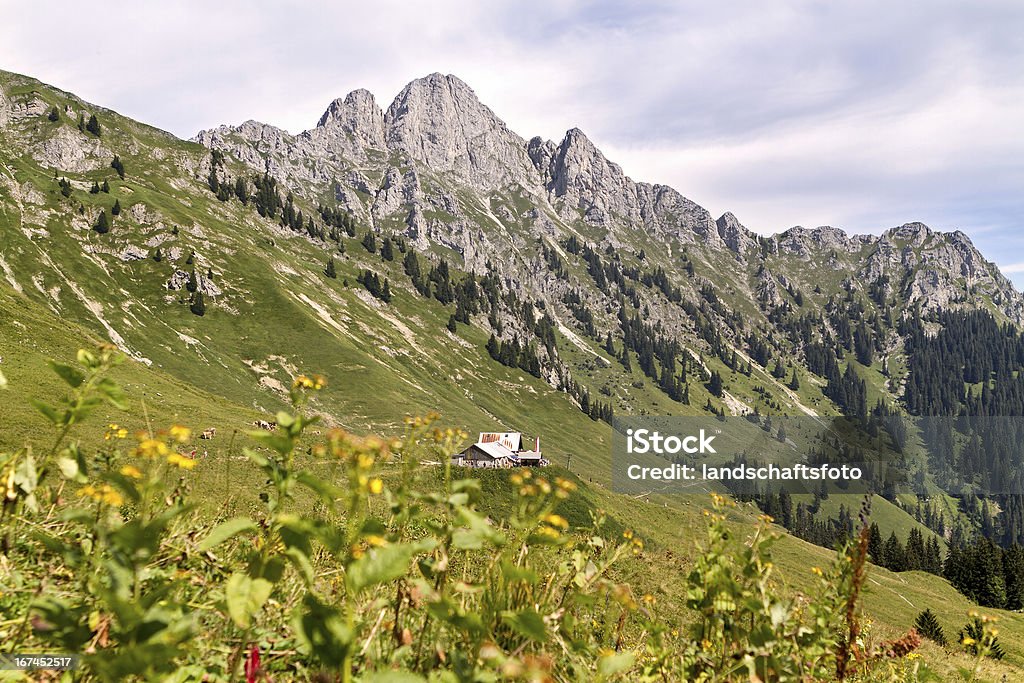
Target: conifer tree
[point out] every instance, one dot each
(198, 305)
(93, 126)
(54, 115)
(118, 166)
(242, 190)
(715, 384)
(386, 250)
(928, 626)
(330, 271)
(370, 242)
(102, 223)
(192, 285)
(116, 209)
(452, 324)
(105, 187)
(95, 189)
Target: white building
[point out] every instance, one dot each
(500, 449)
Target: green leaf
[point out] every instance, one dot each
(70, 469)
(49, 411)
(226, 530)
(322, 632)
(113, 393)
(512, 573)
(379, 565)
(273, 440)
(614, 664)
(245, 597)
(325, 489)
(86, 358)
(73, 378)
(302, 564)
(474, 532)
(527, 623)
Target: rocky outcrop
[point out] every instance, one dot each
(179, 281)
(736, 237)
(69, 150)
(357, 116)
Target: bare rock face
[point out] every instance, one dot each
(132, 253)
(804, 242)
(580, 179)
(438, 121)
(357, 115)
(352, 127)
(69, 150)
(736, 237)
(28, 106)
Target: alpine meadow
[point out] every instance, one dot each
(234, 372)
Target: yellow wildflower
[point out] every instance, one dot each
(104, 493)
(151, 448)
(115, 431)
(557, 521)
(181, 461)
(316, 382)
(131, 471)
(817, 571)
(180, 434)
(376, 486)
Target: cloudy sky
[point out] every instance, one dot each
(863, 115)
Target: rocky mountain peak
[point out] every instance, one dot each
(915, 233)
(736, 237)
(581, 173)
(357, 115)
(439, 121)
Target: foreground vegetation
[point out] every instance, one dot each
(370, 574)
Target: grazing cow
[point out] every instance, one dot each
(208, 433)
(263, 424)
